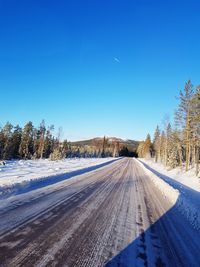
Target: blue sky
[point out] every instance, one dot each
(96, 67)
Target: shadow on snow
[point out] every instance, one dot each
(183, 189)
(170, 241)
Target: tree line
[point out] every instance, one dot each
(30, 142)
(178, 145)
(99, 148)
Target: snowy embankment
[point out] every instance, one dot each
(182, 189)
(21, 176)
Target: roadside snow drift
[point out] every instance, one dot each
(187, 199)
(25, 175)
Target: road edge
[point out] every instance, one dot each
(184, 205)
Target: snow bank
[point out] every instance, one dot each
(166, 190)
(187, 199)
(25, 175)
(176, 175)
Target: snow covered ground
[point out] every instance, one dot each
(185, 178)
(112, 216)
(19, 176)
(177, 185)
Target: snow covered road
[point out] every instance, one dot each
(112, 216)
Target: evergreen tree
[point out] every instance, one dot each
(26, 145)
(196, 129)
(7, 132)
(49, 142)
(42, 131)
(2, 143)
(183, 118)
(16, 140)
(147, 147)
(64, 148)
(36, 143)
(157, 144)
(172, 150)
(140, 150)
(167, 143)
(104, 145)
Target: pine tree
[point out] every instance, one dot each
(115, 149)
(26, 145)
(64, 148)
(104, 145)
(36, 143)
(157, 144)
(49, 142)
(196, 129)
(147, 151)
(172, 150)
(7, 131)
(2, 143)
(167, 143)
(184, 118)
(42, 131)
(16, 140)
(140, 150)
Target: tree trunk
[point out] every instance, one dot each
(180, 156)
(197, 161)
(187, 150)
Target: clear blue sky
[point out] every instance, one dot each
(96, 67)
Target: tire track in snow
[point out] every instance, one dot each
(42, 223)
(113, 217)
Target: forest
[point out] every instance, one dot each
(178, 145)
(32, 142)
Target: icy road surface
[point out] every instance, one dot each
(112, 216)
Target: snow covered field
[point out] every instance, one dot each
(177, 185)
(24, 175)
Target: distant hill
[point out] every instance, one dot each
(130, 144)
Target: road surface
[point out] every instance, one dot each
(113, 216)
